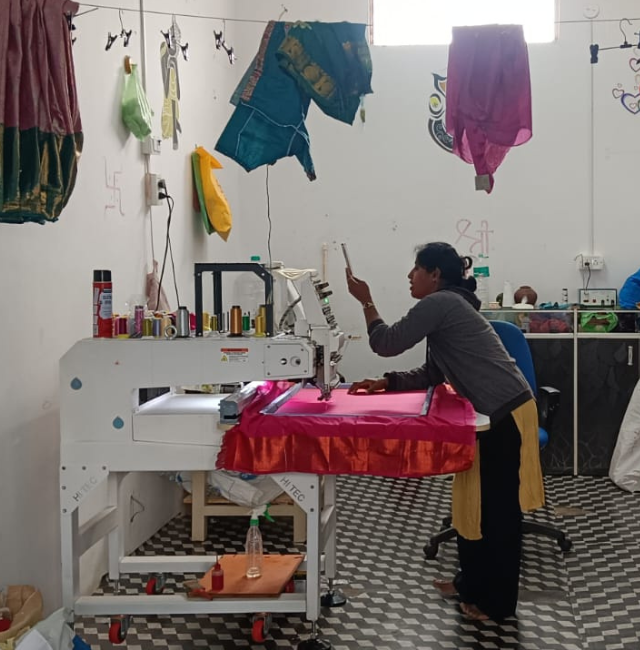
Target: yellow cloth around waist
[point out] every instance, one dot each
(466, 485)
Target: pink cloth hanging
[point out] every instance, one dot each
(488, 96)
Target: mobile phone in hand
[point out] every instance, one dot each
(346, 257)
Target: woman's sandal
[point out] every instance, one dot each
(445, 588)
(472, 613)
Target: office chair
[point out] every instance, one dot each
(548, 398)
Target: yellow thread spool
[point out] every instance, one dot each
(147, 327)
(260, 325)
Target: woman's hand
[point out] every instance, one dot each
(369, 386)
(359, 289)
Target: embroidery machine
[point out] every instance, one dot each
(106, 433)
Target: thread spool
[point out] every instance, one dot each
(235, 321)
(157, 328)
(182, 323)
(214, 323)
(246, 322)
(261, 324)
(122, 327)
(138, 315)
(206, 321)
(166, 322)
(147, 328)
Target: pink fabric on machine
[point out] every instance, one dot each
(488, 95)
(379, 435)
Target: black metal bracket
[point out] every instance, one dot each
(217, 269)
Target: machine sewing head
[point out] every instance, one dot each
(303, 340)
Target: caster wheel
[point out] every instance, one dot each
(430, 551)
(118, 629)
(260, 628)
(155, 585)
(565, 545)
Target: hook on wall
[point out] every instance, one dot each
(282, 13)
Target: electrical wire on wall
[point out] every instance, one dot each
(168, 250)
(270, 298)
(585, 270)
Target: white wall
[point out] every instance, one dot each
(383, 187)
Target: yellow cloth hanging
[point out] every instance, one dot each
(218, 210)
(466, 485)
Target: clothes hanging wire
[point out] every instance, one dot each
(156, 12)
(95, 7)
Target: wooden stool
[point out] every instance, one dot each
(203, 506)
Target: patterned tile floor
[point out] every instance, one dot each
(587, 599)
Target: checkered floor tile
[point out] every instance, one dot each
(587, 599)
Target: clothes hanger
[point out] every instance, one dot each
(595, 49)
(124, 34)
(221, 44)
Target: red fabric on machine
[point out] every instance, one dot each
(381, 434)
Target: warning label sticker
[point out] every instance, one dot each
(234, 355)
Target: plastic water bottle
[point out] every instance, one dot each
(253, 549)
(482, 290)
(249, 290)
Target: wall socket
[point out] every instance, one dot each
(590, 262)
(153, 185)
(151, 146)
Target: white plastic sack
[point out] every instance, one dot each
(51, 634)
(246, 490)
(624, 470)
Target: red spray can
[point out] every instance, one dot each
(102, 305)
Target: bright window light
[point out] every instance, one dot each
(429, 22)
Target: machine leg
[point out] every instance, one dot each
(70, 560)
(314, 642)
(334, 597)
(313, 551)
(198, 503)
(115, 539)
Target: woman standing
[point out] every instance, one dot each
(505, 479)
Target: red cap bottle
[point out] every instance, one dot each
(217, 577)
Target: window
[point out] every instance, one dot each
(429, 22)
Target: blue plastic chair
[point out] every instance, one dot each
(517, 346)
